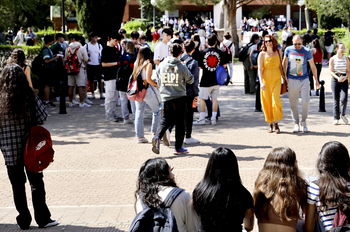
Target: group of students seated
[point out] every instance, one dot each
(283, 200)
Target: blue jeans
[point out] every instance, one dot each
(152, 99)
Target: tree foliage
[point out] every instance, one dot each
(101, 16)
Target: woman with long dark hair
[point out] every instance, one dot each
(318, 57)
(19, 110)
(331, 190)
(18, 57)
(270, 72)
(154, 183)
(152, 99)
(220, 199)
(280, 192)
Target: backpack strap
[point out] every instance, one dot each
(188, 59)
(174, 193)
(87, 47)
(230, 45)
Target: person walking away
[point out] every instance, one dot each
(285, 34)
(295, 61)
(191, 89)
(110, 58)
(222, 186)
(77, 79)
(17, 103)
(228, 46)
(249, 73)
(126, 69)
(317, 53)
(143, 64)
(328, 41)
(270, 72)
(340, 71)
(172, 77)
(210, 60)
(161, 51)
(18, 57)
(94, 68)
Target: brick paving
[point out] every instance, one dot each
(90, 185)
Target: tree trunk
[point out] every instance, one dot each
(307, 17)
(349, 22)
(232, 8)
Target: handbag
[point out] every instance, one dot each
(284, 85)
(136, 89)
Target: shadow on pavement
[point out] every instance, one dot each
(56, 142)
(65, 228)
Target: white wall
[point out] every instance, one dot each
(217, 13)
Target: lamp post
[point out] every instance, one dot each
(63, 19)
(300, 3)
(154, 3)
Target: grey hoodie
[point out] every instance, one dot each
(172, 77)
(81, 54)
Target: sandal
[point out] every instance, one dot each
(270, 130)
(277, 129)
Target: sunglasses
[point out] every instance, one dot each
(297, 44)
(267, 41)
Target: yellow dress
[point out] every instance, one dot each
(270, 98)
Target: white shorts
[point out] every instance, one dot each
(79, 80)
(330, 48)
(206, 92)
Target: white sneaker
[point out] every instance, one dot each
(75, 102)
(345, 120)
(58, 99)
(49, 224)
(88, 101)
(191, 141)
(213, 121)
(103, 104)
(296, 128)
(303, 125)
(336, 122)
(70, 104)
(84, 105)
(128, 121)
(199, 122)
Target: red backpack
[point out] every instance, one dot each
(38, 153)
(72, 63)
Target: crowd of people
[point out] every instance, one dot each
(283, 199)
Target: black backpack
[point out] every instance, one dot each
(123, 75)
(255, 56)
(243, 52)
(228, 53)
(159, 219)
(38, 63)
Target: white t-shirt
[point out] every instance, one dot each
(227, 44)
(161, 51)
(186, 218)
(20, 37)
(95, 53)
(285, 35)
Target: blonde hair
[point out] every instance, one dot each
(143, 55)
(130, 47)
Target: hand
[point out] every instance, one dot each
(262, 87)
(285, 79)
(251, 67)
(317, 85)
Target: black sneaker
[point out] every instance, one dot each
(49, 104)
(49, 224)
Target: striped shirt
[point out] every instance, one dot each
(339, 64)
(327, 217)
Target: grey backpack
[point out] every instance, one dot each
(159, 219)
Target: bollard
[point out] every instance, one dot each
(322, 107)
(63, 97)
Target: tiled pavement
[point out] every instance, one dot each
(90, 185)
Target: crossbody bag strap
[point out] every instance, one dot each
(174, 193)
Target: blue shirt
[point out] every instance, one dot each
(297, 62)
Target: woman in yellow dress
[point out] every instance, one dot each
(270, 72)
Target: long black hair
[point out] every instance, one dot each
(333, 165)
(218, 191)
(16, 95)
(154, 174)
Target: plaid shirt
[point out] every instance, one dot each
(14, 132)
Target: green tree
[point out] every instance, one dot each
(101, 16)
(338, 8)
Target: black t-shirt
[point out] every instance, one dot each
(110, 55)
(315, 37)
(328, 36)
(209, 61)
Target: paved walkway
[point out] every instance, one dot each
(90, 185)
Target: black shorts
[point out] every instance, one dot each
(49, 77)
(94, 72)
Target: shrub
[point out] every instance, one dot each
(134, 26)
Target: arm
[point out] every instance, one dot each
(195, 73)
(156, 62)
(248, 221)
(281, 67)
(52, 60)
(285, 65)
(35, 36)
(250, 59)
(29, 79)
(331, 69)
(314, 72)
(310, 218)
(188, 76)
(149, 75)
(261, 69)
(348, 67)
(104, 64)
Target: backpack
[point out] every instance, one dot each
(38, 153)
(38, 63)
(72, 64)
(123, 74)
(159, 219)
(255, 56)
(227, 53)
(243, 52)
(221, 75)
(328, 39)
(340, 223)
(136, 89)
